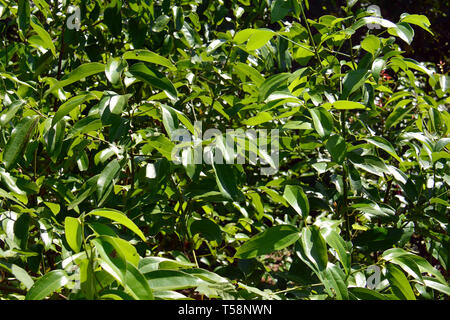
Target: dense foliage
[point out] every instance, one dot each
(93, 205)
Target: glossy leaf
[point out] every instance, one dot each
(226, 182)
(136, 283)
(171, 280)
(46, 285)
(43, 34)
(148, 56)
(314, 247)
(399, 283)
(295, 196)
(72, 228)
(270, 240)
(153, 78)
(72, 103)
(323, 122)
(118, 217)
(337, 147)
(20, 136)
(83, 71)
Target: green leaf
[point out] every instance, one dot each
(83, 71)
(444, 81)
(10, 182)
(373, 209)
(227, 183)
(10, 112)
(54, 139)
(418, 20)
(160, 23)
(72, 103)
(170, 120)
(136, 284)
(107, 176)
(260, 118)
(413, 64)
(257, 203)
(403, 31)
(252, 73)
(259, 39)
(436, 285)
(21, 230)
(335, 241)
(22, 276)
(371, 21)
(112, 104)
(43, 34)
(371, 44)
(279, 9)
(270, 240)
(382, 143)
(115, 265)
(178, 17)
(352, 82)
(47, 284)
(87, 277)
(295, 196)
(118, 217)
(123, 249)
(155, 263)
(272, 84)
(72, 228)
(378, 239)
(347, 105)
(20, 136)
(113, 17)
(323, 121)
(377, 66)
(423, 264)
(242, 35)
(208, 229)
(366, 294)
(399, 284)
(153, 78)
(314, 247)
(85, 125)
(214, 45)
(114, 69)
(396, 116)
(149, 56)
(43, 7)
(206, 275)
(171, 280)
(337, 147)
(408, 265)
(333, 277)
(23, 14)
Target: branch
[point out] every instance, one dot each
(8, 289)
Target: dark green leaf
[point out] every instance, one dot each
(337, 147)
(227, 182)
(270, 240)
(20, 136)
(153, 78)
